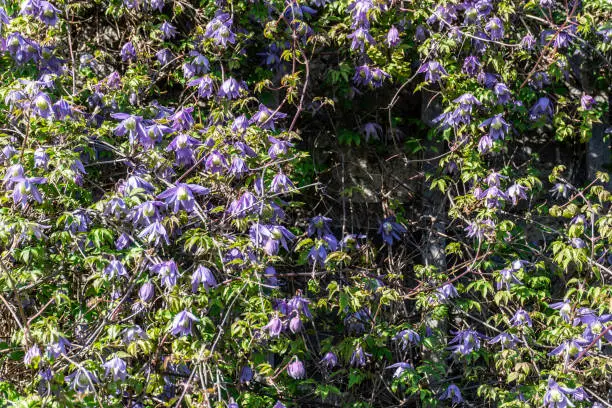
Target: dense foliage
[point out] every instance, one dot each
(169, 236)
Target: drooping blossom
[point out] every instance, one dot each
(117, 368)
(168, 30)
(296, 369)
(58, 348)
(246, 374)
(219, 30)
(564, 309)
(82, 380)
(31, 355)
(465, 342)
(115, 268)
(146, 292)
(506, 340)
(128, 52)
(407, 337)
(453, 393)
(520, 318)
(181, 196)
(266, 118)
(556, 396)
(182, 119)
(204, 276)
(541, 109)
(495, 29)
(471, 65)
(516, 192)
(329, 360)
(433, 70)
(400, 368)
(154, 233)
(274, 326)
(230, 89)
(281, 184)
(371, 131)
(393, 38)
(270, 237)
(182, 324)
(391, 231)
(587, 102)
(167, 271)
(359, 357)
(215, 162)
(25, 188)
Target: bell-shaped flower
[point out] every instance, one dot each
(182, 324)
(182, 196)
(117, 368)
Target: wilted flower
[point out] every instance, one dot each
(296, 369)
(391, 230)
(117, 368)
(182, 324)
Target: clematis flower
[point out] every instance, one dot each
(31, 355)
(230, 89)
(269, 237)
(557, 396)
(567, 349)
(587, 102)
(317, 255)
(167, 271)
(391, 230)
(115, 268)
(265, 118)
(295, 324)
(219, 30)
(246, 374)
(445, 292)
(506, 340)
(130, 125)
(274, 327)
(433, 70)
(82, 380)
(296, 369)
(359, 38)
(400, 368)
(182, 324)
(42, 106)
(215, 162)
(319, 226)
(48, 13)
(146, 292)
(202, 275)
(560, 190)
(471, 65)
(406, 337)
(329, 360)
(242, 206)
(564, 309)
(520, 318)
(393, 37)
(359, 357)
(182, 119)
(453, 393)
(507, 279)
(128, 52)
(58, 348)
(371, 131)
(465, 342)
(182, 196)
(168, 30)
(238, 167)
(164, 56)
(281, 184)
(25, 189)
(542, 108)
(516, 192)
(117, 368)
(278, 147)
(495, 29)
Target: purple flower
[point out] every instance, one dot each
(133, 333)
(433, 71)
(219, 30)
(274, 327)
(82, 380)
(498, 127)
(465, 342)
(296, 369)
(520, 318)
(167, 271)
(182, 119)
(122, 242)
(393, 37)
(182, 196)
(317, 255)
(329, 360)
(42, 106)
(269, 237)
(453, 393)
(215, 162)
(243, 206)
(295, 324)
(400, 368)
(130, 124)
(507, 341)
(164, 56)
(183, 145)
(281, 184)
(115, 268)
(25, 188)
(146, 213)
(117, 368)
(202, 275)
(54, 350)
(246, 374)
(542, 108)
(560, 190)
(516, 192)
(146, 292)
(503, 93)
(238, 167)
(557, 396)
(371, 130)
(360, 37)
(230, 89)
(567, 348)
(182, 324)
(445, 292)
(363, 75)
(359, 357)
(564, 309)
(586, 102)
(278, 147)
(391, 230)
(13, 174)
(492, 196)
(31, 355)
(62, 109)
(507, 279)
(265, 118)
(495, 29)
(47, 13)
(527, 42)
(128, 53)
(407, 336)
(168, 30)
(239, 125)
